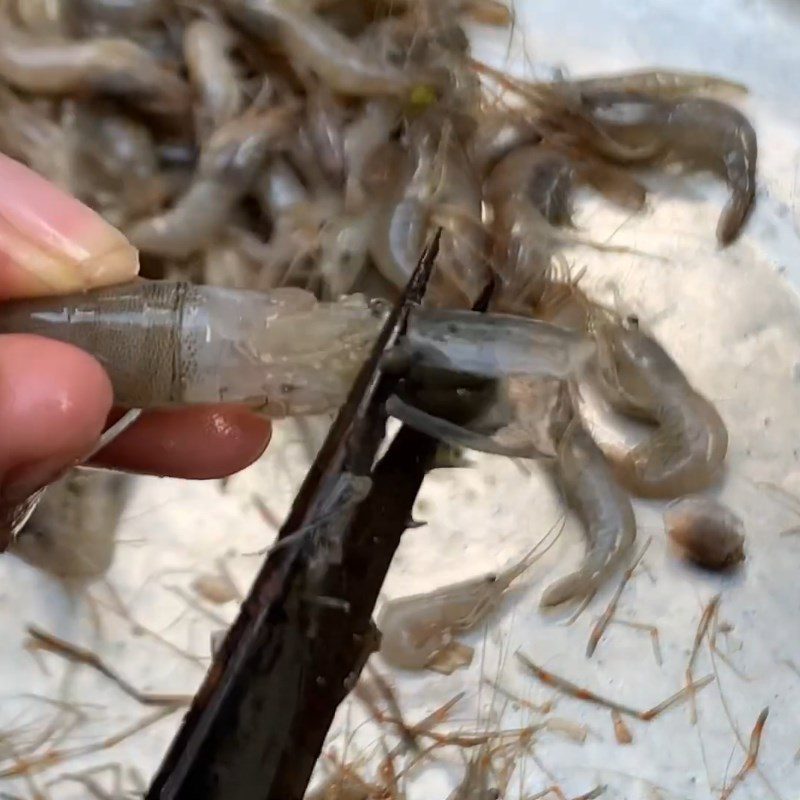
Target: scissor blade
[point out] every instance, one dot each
(258, 722)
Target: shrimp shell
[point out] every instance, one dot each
(312, 44)
(604, 510)
(113, 66)
(415, 628)
(706, 532)
(687, 449)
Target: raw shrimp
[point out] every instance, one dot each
(440, 187)
(639, 379)
(116, 165)
(228, 166)
(71, 534)
(530, 191)
(110, 66)
(29, 135)
(206, 48)
(699, 132)
(174, 343)
(311, 44)
(415, 629)
(603, 508)
(706, 532)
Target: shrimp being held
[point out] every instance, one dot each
(639, 379)
(175, 343)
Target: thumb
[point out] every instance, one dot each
(54, 398)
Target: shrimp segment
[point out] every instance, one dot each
(687, 449)
(173, 343)
(603, 508)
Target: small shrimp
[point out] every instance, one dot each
(206, 47)
(639, 379)
(311, 44)
(603, 508)
(29, 135)
(530, 192)
(442, 187)
(71, 534)
(166, 343)
(116, 164)
(229, 164)
(109, 66)
(324, 125)
(701, 133)
(415, 629)
(706, 532)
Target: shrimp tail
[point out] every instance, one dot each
(735, 214)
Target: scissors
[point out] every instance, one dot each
(258, 722)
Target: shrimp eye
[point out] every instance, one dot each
(632, 320)
(491, 579)
(286, 388)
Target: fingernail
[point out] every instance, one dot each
(53, 243)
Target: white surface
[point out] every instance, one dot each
(729, 318)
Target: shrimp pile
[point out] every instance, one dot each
(315, 145)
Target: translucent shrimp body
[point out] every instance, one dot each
(687, 449)
(174, 343)
(697, 131)
(113, 66)
(602, 507)
(415, 628)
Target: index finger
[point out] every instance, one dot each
(51, 243)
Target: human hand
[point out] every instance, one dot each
(55, 400)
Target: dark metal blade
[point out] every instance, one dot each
(258, 722)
